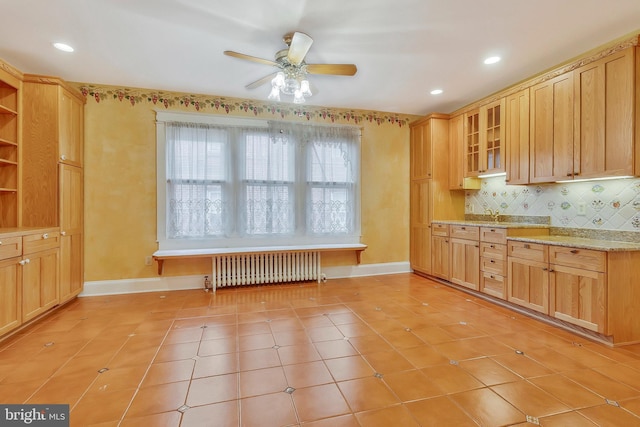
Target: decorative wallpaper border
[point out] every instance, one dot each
(204, 103)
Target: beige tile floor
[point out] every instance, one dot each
(397, 350)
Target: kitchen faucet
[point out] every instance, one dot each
(493, 214)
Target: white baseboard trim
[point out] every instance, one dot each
(176, 283)
(366, 270)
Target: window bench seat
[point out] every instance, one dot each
(161, 255)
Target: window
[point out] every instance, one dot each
(228, 183)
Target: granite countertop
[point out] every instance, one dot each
(600, 240)
(580, 243)
(492, 224)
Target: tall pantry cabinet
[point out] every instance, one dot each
(430, 197)
(52, 172)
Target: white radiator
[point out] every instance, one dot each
(261, 268)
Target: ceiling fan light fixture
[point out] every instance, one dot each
(298, 97)
(305, 88)
(275, 94)
(278, 80)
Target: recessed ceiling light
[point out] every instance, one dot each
(63, 47)
(436, 92)
(492, 60)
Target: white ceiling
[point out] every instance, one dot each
(403, 48)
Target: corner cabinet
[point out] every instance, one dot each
(430, 197)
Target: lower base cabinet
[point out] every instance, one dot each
(39, 282)
(528, 284)
(29, 275)
(10, 294)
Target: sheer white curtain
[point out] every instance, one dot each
(279, 183)
(330, 172)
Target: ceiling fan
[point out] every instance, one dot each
(291, 78)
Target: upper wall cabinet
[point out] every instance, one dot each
(551, 130)
(472, 143)
(457, 180)
(9, 135)
(421, 150)
(517, 138)
(484, 146)
(605, 103)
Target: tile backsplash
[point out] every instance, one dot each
(599, 205)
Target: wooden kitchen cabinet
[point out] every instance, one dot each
(10, 108)
(10, 283)
(420, 155)
(528, 275)
(40, 273)
(420, 219)
(39, 282)
(464, 247)
(493, 261)
(604, 114)
(484, 142)
(440, 251)
(53, 177)
(71, 231)
(457, 179)
(578, 287)
(430, 197)
(517, 138)
(551, 130)
(53, 131)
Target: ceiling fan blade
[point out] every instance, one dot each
(300, 45)
(250, 58)
(261, 81)
(337, 69)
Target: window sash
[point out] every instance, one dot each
(272, 207)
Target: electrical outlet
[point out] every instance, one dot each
(148, 260)
(582, 209)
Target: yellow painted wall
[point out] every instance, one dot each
(120, 177)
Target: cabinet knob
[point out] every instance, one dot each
(569, 174)
(551, 270)
(462, 228)
(0, 243)
(492, 261)
(63, 157)
(63, 233)
(574, 251)
(526, 246)
(24, 261)
(492, 246)
(45, 236)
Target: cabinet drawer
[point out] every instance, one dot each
(493, 235)
(494, 251)
(586, 259)
(495, 266)
(528, 251)
(10, 247)
(40, 242)
(440, 230)
(493, 284)
(465, 232)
